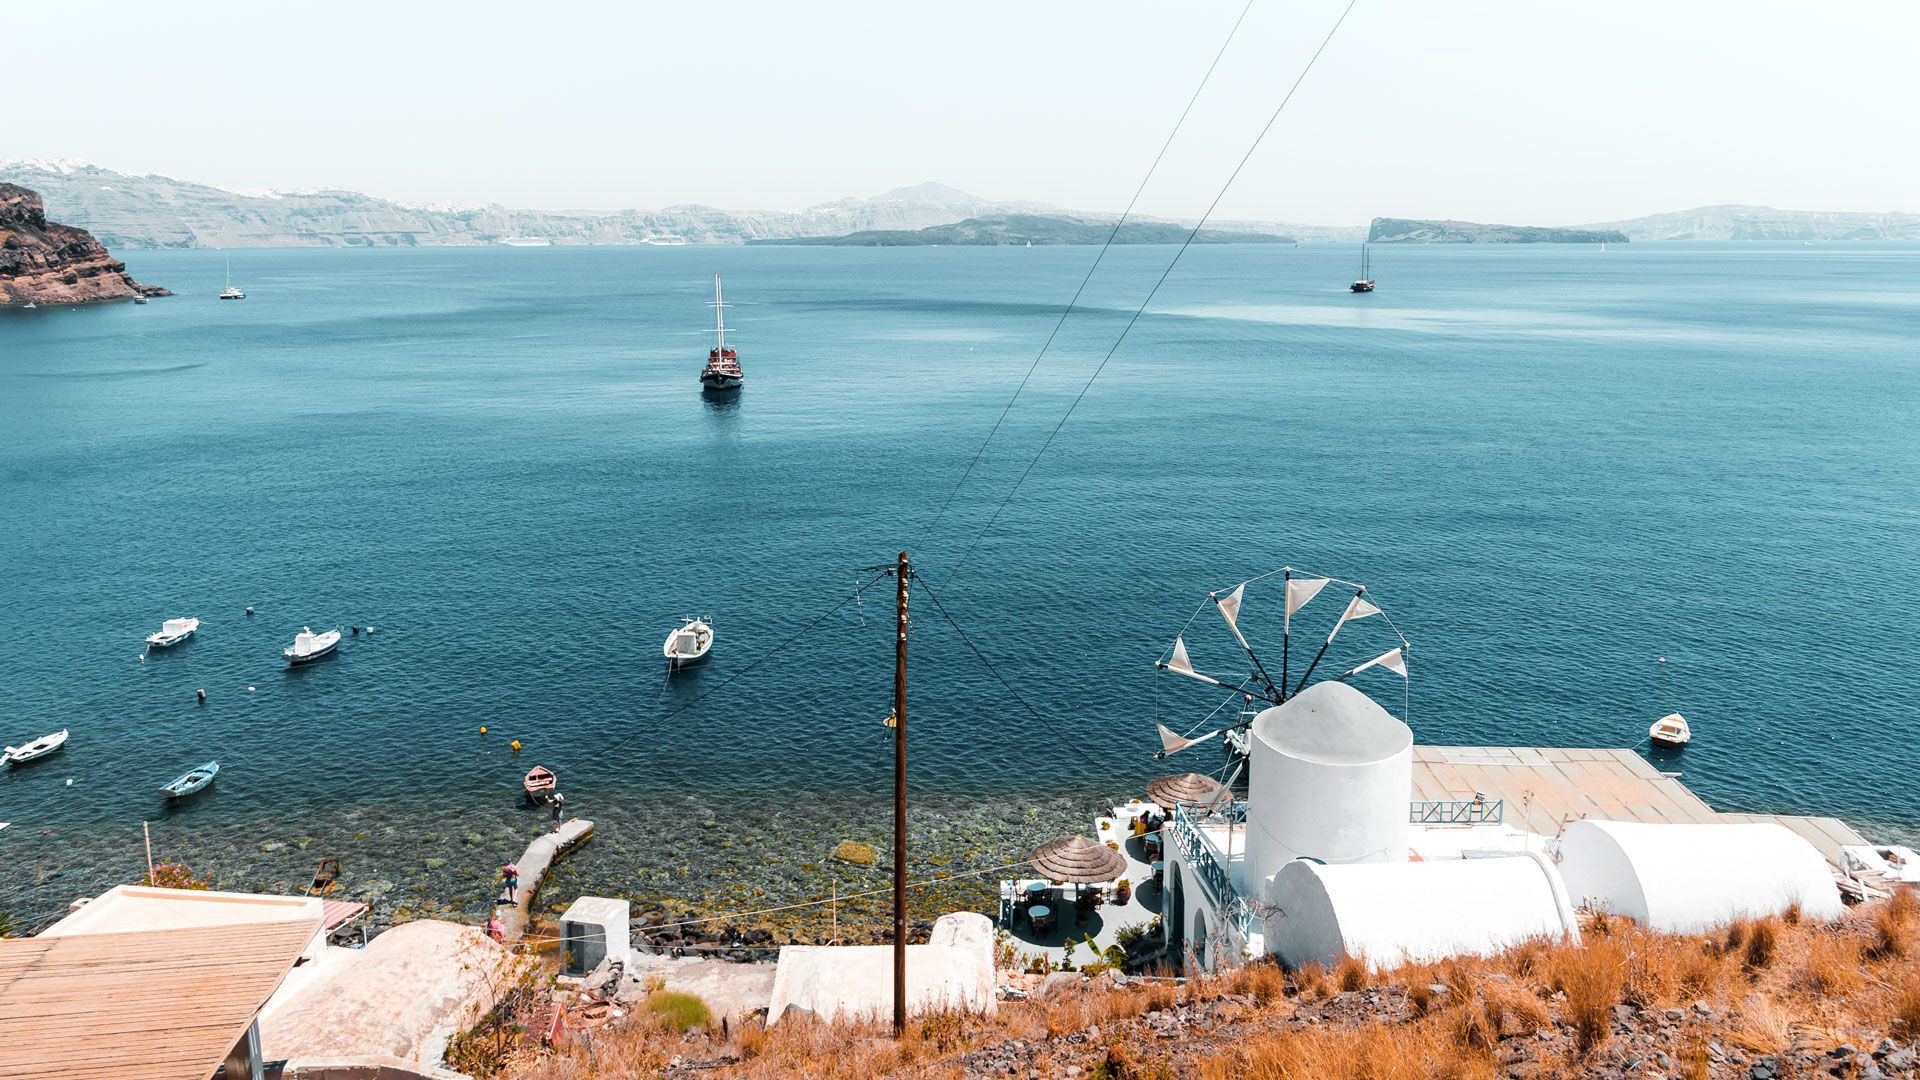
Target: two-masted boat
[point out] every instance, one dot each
(1364, 283)
(722, 372)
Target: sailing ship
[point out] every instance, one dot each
(232, 291)
(1364, 283)
(1263, 684)
(722, 372)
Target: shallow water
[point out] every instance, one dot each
(1551, 466)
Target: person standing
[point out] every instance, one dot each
(559, 810)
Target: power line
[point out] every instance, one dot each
(991, 670)
(1211, 207)
(1124, 214)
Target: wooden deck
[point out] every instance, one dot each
(1546, 788)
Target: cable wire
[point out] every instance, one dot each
(1124, 214)
(1188, 242)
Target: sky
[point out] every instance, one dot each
(1516, 111)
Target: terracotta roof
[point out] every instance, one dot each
(153, 1004)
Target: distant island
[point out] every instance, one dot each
(1002, 230)
(44, 262)
(1409, 231)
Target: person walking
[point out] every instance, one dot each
(510, 875)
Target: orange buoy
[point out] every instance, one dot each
(516, 746)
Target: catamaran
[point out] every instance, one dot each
(689, 644)
(723, 364)
(172, 632)
(232, 291)
(1364, 283)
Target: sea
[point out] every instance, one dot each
(1588, 487)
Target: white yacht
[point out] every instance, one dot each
(232, 291)
(526, 241)
(689, 644)
(308, 646)
(172, 632)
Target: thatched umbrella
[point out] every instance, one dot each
(1078, 860)
(1186, 788)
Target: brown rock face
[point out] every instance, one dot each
(45, 263)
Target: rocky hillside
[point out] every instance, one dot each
(42, 262)
(128, 211)
(1766, 223)
(1403, 230)
(1001, 230)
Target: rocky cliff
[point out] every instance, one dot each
(1405, 231)
(42, 262)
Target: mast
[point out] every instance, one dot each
(719, 306)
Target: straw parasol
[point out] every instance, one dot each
(1078, 860)
(1186, 788)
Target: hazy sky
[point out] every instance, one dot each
(1525, 111)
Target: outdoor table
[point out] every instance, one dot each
(1159, 868)
(1041, 917)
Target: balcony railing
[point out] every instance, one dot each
(1456, 812)
(1209, 865)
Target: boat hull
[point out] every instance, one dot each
(297, 659)
(1361, 286)
(167, 641)
(34, 751)
(720, 384)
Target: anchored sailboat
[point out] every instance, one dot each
(1364, 283)
(231, 292)
(723, 364)
(1257, 684)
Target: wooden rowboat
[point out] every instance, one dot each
(191, 781)
(540, 783)
(38, 748)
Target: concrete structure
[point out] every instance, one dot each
(1388, 913)
(1327, 778)
(534, 864)
(954, 972)
(596, 929)
(1686, 878)
(409, 991)
(175, 1003)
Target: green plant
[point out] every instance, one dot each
(168, 875)
(1129, 935)
(684, 1011)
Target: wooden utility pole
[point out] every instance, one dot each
(902, 572)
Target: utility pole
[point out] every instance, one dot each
(902, 572)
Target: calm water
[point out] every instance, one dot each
(1552, 466)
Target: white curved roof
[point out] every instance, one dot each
(1387, 913)
(1334, 724)
(1685, 878)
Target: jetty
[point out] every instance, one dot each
(534, 864)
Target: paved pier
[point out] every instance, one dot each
(534, 864)
(1545, 788)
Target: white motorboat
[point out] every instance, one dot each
(689, 644)
(38, 748)
(308, 646)
(172, 632)
(1670, 730)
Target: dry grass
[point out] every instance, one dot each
(1768, 985)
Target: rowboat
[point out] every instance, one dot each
(191, 781)
(38, 748)
(540, 783)
(1670, 730)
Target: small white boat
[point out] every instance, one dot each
(232, 291)
(689, 644)
(1670, 730)
(191, 781)
(38, 748)
(172, 632)
(308, 646)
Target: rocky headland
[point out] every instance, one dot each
(1408, 231)
(43, 262)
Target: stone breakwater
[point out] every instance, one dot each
(43, 262)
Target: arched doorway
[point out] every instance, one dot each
(1197, 941)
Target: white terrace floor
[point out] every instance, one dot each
(1105, 921)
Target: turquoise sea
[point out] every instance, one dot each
(1552, 466)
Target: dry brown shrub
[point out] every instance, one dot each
(1761, 1025)
(1591, 977)
(1352, 974)
(1736, 936)
(1262, 980)
(1370, 1052)
(1893, 926)
(1905, 1018)
(1514, 1009)
(1696, 1062)
(1831, 964)
(1763, 939)
(1310, 982)
(1420, 996)
(1793, 915)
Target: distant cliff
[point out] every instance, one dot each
(1767, 223)
(1001, 230)
(1402, 230)
(46, 263)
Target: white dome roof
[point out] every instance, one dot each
(1333, 724)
